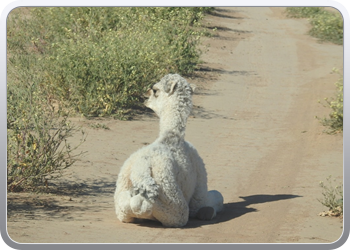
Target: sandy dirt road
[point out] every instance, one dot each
(254, 126)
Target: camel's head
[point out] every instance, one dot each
(171, 94)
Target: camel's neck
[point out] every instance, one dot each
(172, 128)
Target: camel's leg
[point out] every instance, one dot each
(171, 209)
(122, 206)
(214, 205)
(204, 205)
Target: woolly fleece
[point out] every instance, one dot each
(166, 180)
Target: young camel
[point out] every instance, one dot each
(166, 180)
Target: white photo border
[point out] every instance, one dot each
(7, 6)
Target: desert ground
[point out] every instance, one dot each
(254, 125)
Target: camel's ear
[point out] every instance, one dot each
(148, 93)
(193, 87)
(172, 88)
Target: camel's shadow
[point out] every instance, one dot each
(231, 210)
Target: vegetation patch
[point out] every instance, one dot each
(64, 61)
(326, 25)
(304, 12)
(99, 61)
(37, 138)
(334, 122)
(332, 198)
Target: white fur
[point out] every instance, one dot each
(166, 180)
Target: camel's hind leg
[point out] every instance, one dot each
(213, 206)
(122, 206)
(215, 200)
(169, 211)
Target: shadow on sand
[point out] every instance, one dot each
(231, 210)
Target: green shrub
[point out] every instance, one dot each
(335, 120)
(303, 12)
(95, 61)
(37, 147)
(37, 128)
(332, 197)
(326, 26)
(100, 61)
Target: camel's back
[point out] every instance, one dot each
(175, 162)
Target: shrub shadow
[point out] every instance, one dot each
(219, 28)
(219, 13)
(61, 201)
(84, 188)
(200, 112)
(221, 71)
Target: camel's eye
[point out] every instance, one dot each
(156, 92)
